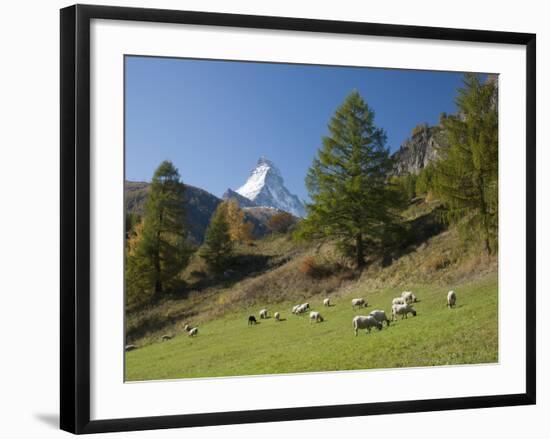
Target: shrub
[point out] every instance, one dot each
(308, 266)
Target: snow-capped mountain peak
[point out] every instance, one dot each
(265, 187)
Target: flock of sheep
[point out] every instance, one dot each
(401, 306)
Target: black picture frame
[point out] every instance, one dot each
(75, 217)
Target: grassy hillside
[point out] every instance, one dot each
(276, 272)
(227, 346)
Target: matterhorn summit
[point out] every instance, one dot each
(265, 187)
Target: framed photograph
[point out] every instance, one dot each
(273, 218)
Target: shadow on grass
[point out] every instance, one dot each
(241, 267)
(418, 232)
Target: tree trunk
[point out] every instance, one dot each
(360, 257)
(158, 281)
(484, 215)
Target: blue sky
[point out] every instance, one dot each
(214, 119)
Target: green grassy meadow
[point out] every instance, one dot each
(227, 346)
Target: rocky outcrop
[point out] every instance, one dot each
(422, 147)
(416, 152)
(230, 194)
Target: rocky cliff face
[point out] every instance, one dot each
(230, 194)
(417, 151)
(422, 147)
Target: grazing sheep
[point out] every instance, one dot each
(277, 316)
(402, 310)
(365, 322)
(166, 337)
(326, 302)
(302, 308)
(193, 332)
(380, 316)
(263, 313)
(451, 299)
(314, 316)
(358, 302)
(252, 320)
(305, 306)
(398, 301)
(295, 309)
(409, 297)
(130, 347)
(186, 328)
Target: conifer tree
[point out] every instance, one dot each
(159, 251)
(239, 229)
(351, 197)
(466, 176)
(217, 249)
(281, 222)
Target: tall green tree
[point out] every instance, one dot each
(161, 251)
(466, 176)
(351, 197)
(217, 249)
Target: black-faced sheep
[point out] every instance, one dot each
(358, 302)
(451, 299)
(193, 331)
(398, 301)
(365, 322)
(409, 297)
(402, 310)
(263, 313)
(314, 316)
(380, 316)
(326, 302)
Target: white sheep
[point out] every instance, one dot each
(451, 299)
(263, 313)
(326, 302)
(380, 316)
(358, 302)
(398, 301)
(193, 331)
(277, 316)
(365, 322)
(302, 308)
(409, 297)
(295, 309)
(314, 316)
(402, 310)
(305, 306)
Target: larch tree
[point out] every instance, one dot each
(240, 230)
(466, 176)
(217, 248)
(281, 222)
(352, 199)
(159, 251)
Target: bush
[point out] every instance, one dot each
(308, 266)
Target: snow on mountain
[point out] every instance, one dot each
(265, 187)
